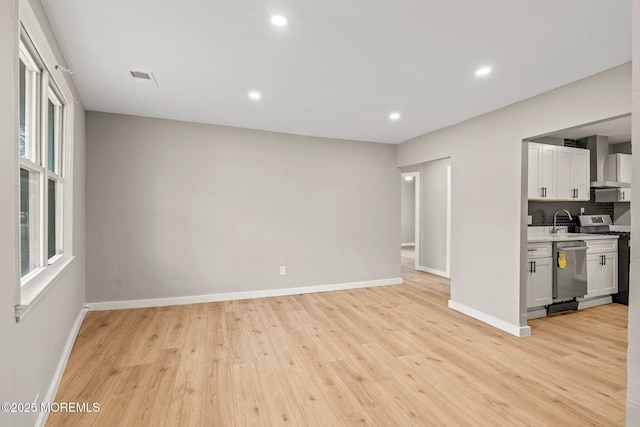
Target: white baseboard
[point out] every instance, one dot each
(519, 331)
(633, 413)
(594, 302)
(407, 244)
(434, 271)
(161, 302)
(62, 364)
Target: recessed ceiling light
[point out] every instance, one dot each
(279, 20)
(394, 116)
(483, 71)
(408, 178)
(255, 95)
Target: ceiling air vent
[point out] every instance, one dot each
(143, 78)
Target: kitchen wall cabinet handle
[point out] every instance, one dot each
(534, 266)
(622, 194)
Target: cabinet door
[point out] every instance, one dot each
(572, 174)
(610, 274)
(624, 194)
(542, 175)
(602, 274)
(548, 171)
(564, 169)
(540, 277)
(535, 165)
(594, 275)
(580, 174)
(624, 168)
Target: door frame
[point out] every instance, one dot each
(416, 236)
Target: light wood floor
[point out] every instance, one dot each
(387, 356)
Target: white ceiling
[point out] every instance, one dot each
(339, 67)
(618, 130)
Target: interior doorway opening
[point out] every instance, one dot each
(426, 194)
(410, 219)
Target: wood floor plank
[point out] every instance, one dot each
(314, 407)
(382, 356)
(154, 407)
(248, 401)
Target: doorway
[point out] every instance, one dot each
(430, 184)
(410, 219)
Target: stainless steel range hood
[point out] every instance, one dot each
(598, 145)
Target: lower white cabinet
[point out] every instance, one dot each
(602, 274)
(539, 275)
(602, 268)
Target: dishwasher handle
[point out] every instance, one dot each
(573, 248)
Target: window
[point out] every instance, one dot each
(45, 117)
(40, 140)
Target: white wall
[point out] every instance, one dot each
(408, 211)
(488, 256)
(182, 209)
(633, 357)
(30, 350)
(433, 216)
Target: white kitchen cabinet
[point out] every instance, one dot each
(542, 179)
(617, 168)
(613, 195)
(572, 174)
(602, 268)
(539, 275)
(558, 173)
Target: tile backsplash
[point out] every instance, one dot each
(542, 212)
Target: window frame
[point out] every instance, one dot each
(49, 85)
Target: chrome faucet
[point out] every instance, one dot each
(555, 229)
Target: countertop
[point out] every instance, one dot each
(543, 234)
(565, 237)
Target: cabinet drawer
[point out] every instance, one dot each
(602, 246)
(539, 250)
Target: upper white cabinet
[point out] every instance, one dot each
(558, 173)
(613, 195)
(542, 170)
(572, 174)
(617, 168)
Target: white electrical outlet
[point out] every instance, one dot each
(283, 270)
(581, 211)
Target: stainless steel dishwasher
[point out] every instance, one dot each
(570, 270)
